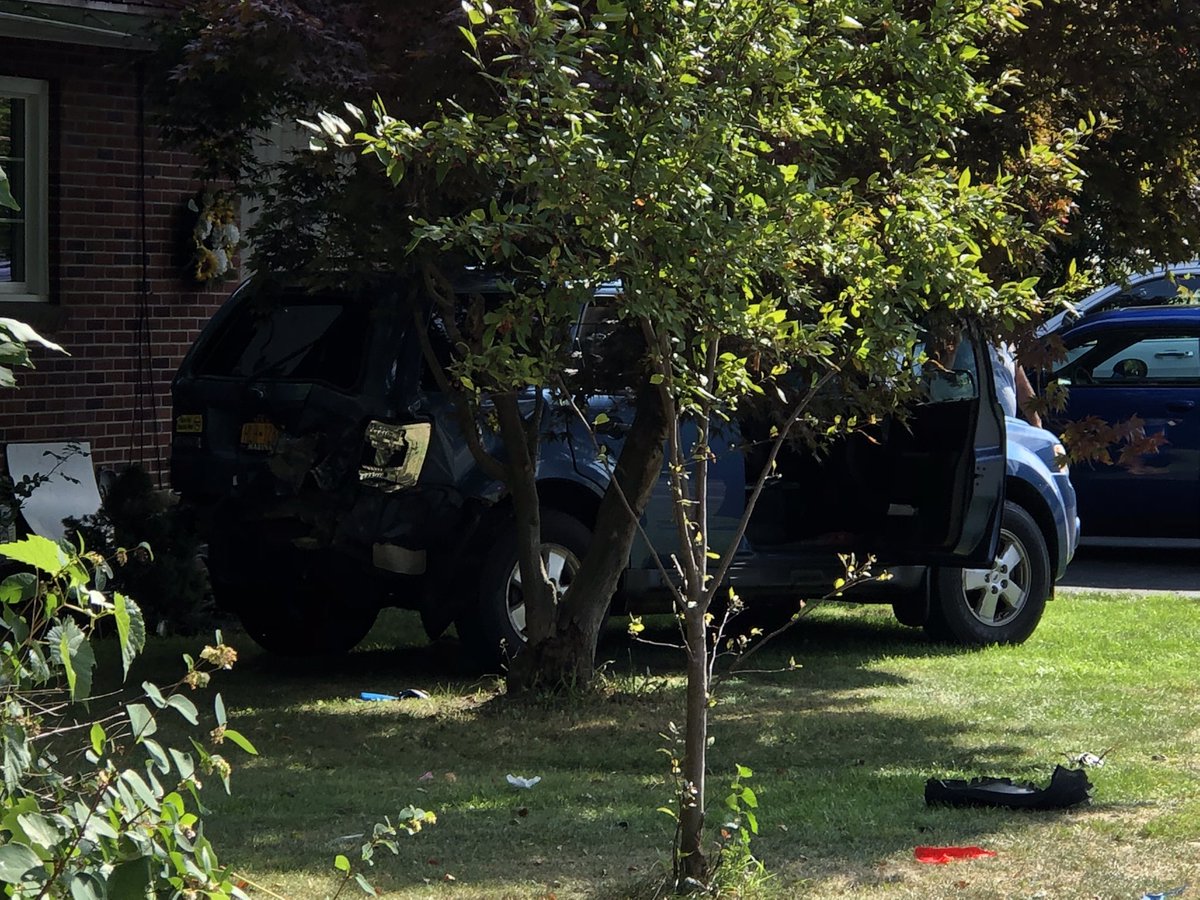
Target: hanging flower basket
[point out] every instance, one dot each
(215, 235)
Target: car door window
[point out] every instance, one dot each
(1075, 353)
(1155, 359)
(950, 371)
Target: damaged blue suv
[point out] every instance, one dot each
(331, 481)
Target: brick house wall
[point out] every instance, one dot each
(118, 301)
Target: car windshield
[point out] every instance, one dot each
(1156, 292)
(294, 336)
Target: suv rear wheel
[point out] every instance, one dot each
(315, 607)
(495, 629)
(1001, 604)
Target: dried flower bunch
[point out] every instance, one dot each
(215, 236)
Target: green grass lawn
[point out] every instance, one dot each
(840, 748)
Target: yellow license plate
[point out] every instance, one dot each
(189, 424)
(259, 435)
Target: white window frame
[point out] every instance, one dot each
(35, 201)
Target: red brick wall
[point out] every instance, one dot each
(114, 389)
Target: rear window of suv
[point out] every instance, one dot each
(292, 337)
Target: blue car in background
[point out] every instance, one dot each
(1138, 361)
(1168, 285)
(331, 480)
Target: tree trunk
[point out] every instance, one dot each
(691, 868)
(568, 655)
(522, 485)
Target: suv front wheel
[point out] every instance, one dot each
(1001, 604)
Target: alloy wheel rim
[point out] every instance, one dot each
(996, 595)
(561, 565)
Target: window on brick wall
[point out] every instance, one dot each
(24, 267)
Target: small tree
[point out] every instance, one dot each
(722, 188)
(773, 187)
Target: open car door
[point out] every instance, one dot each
(947, 467)
(928, 490)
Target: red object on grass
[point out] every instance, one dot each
(942, 855)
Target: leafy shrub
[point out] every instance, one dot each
(93, 806)
(172, 585)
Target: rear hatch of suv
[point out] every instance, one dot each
(279, 388)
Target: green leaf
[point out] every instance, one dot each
(155, 695)
(238, 738)
(752, 821)
(40, 830)
(18, 755)
(41, 553)
(184, 763)
(219, 710)
(27, 335)
(86, 886)
(749, 798)
(964, 180)
(13, 353)
(12, 812)
(97, 736)
(365, 885)
(341, 863)
(600, 419)
(157, 755)
(98, 828)
(69, 647)
(141, 720)
(173, 806)
(18, 588)
(744, 772)
(184, 707)
(140, 787)
(15, 861)
(131, 629)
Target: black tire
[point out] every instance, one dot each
(493, 630)
(1000, 605)
(316, 609)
